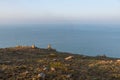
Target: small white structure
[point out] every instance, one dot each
(49, 46)
(33, 46)
(69, 57)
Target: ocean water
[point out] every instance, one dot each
(86, 39)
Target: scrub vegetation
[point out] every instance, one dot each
(27, 63)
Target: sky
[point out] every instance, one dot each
(38, 11)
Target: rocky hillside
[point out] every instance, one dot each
(27, 63)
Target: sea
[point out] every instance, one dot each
(85, 39)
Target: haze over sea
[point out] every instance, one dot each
(86, 39)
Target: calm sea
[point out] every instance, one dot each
(84, 39)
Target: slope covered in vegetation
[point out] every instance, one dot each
(48, 64)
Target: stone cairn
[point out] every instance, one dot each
(49, 47)
(33, 46)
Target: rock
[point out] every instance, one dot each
(26, 72)
(54, 59)
(33, 78)
(53, 55)
(118, 60)
(69, 75)
(69, 57)
(52, 69)
(41, 75)
(45, 68)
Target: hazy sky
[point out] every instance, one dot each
(13, 11)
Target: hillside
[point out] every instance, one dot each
(27, 63)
